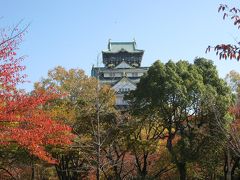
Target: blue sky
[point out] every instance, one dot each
(71, 33)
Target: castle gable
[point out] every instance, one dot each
(124, 85)
(123, 65)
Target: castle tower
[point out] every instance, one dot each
(122, 68)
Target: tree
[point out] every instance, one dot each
(23, 123)
(79, 108)
(144, 138)
(231, 132)
(183, 95)
(117, 158)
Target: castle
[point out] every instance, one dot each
(122, 68)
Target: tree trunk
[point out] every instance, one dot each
(32, 168)
(235, 165)
(227, 166)
(117, 174)
(143, 174)
(181, 166)
(228, 176)
(32, 175)
(61, 168)
(182, 171)
(144, 169)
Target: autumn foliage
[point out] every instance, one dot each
(225, 50)
(23, 123)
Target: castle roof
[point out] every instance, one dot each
(115, 47)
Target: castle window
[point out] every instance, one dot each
(123, 90)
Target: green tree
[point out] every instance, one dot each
(185, 96)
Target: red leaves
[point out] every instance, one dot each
(208, 49)
(222, 7)
(232, 12)
(22, 120)
(225, 51)
(225, 15)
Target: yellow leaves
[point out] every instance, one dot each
(80, 95)
(63, 112)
